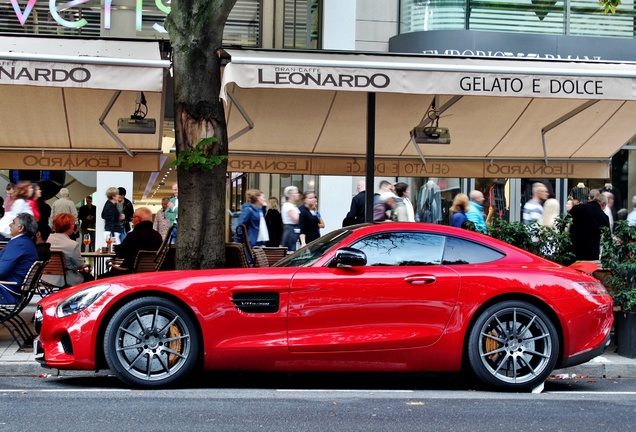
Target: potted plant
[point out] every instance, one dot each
(617, 259)
(550, 243)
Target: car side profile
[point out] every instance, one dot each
(390, 297)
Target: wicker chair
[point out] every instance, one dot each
(235, 256)
(260, 258)
(274, 254)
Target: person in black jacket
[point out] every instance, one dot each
(309, 219)
(125, 207)
(356, 213)
(142, 237)
(585, 232)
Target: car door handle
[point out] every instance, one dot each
(420, 280)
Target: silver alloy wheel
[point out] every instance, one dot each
(152, 343)
(516, 345)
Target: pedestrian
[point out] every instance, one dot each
(162, 223)
(475, 213)
(533, 208)
(309, 219)
(253, 218)
(458, 210)
(172, 212)
(402, 191)
(126, 211)
(291, 216)
(63, 205)
(587, 223)
(86, 215)
(111, 216)
(356, 213)
(274, 222)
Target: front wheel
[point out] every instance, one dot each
(513, 346)
(151, 342)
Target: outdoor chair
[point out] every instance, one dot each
(274, 254)
(235, 256)
(10, 314)
(260, 258)
(56, 266)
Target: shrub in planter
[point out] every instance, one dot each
(618, 254)
(550, 243)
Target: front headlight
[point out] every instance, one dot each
(80, 300)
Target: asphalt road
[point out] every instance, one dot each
(312, 402)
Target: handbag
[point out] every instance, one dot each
(5, 223)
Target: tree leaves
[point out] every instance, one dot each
(198, 158)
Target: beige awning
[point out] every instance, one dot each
(63, 97)
(520, 114)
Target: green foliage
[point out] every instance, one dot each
(198, 158)
(617, 256)
(609, 5)
(550, 243)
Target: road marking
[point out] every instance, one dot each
(343, 391)
(62, 390)
(630, 393)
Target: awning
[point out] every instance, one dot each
(507, 117)
(63, 97)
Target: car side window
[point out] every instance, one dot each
(460, 251)
(402, 249)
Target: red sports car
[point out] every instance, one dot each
(398, 297)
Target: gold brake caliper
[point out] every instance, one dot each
(174, 345)
(492, 344)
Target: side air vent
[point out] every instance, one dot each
(257, 302)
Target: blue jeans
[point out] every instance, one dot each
(6, 297)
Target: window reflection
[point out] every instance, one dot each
(402, 249)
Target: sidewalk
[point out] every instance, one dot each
(22, 363)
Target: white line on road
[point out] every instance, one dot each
(343, 391)
(593, 392)
(63, 390)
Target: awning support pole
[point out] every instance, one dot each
(107, 129)
(370, 171)
(241, 110)
(560, 121)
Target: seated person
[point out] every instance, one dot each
(43, 248)
(17, 257)
(142, 237)
(64, 226)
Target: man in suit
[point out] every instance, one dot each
(17, 257)
(587, 222)
(142, 237)
(357, 211)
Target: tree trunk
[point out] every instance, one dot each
(196, 35)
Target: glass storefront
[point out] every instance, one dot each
(580, 18)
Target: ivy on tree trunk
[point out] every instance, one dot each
(196, 35)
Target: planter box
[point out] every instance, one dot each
(625, 329)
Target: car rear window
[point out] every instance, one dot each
(461, 251)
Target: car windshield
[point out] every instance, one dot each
(314, 251)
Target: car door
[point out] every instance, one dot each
(402, 298)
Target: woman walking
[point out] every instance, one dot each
(291, 216)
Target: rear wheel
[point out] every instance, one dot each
(151, 342)
(513, 346)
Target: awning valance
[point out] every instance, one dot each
(315, 104)
(65, 95)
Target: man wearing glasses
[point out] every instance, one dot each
(17, 257)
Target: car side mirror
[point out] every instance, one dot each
(347, 256)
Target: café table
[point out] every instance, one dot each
(99, 261)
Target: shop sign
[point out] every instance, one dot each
(55, 7)
(79, 161)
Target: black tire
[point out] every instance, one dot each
(513, 346)
(151, 342)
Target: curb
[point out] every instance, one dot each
(600, 367)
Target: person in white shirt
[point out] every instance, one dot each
(291, 216)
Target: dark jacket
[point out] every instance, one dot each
(83, 214)
(357, 207)
(143, 237)
(110, 214)
(585, 232)
(458, 218)
(308, 224)
(274, 227)
(16, 259)
(128, 211)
